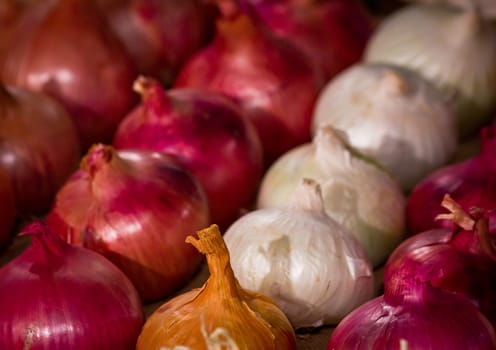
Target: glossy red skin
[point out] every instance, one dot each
(7, 208)
(39, 148)
(58, 297)
(271, 80)
(471, 183)
(450, 261)
(210, 137)
(160, 35)
(333, 33)
(136, 209)
(65, 48)
(423, 316)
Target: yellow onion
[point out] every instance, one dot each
(220, 315)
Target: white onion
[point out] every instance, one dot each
(363, 198)
(391, 115)
(454, 48)
(313, 269)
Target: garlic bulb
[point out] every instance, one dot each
(391, 115)
(314, 270)
(351, 187)
(220, 315)
(453, 48)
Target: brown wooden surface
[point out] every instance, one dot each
(306, 340)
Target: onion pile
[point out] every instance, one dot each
(56, 296)
(208, 134)
(470, 183)
(47, 55)
(38, 147)
(332, 33)
(136, 208)
(273, 81)
(160, 35)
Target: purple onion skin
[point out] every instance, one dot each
(333, 33)
(136, 208)
(7, 208)
(273, 82)
(471, 183)
(65, 49)
(209, 136)
(56, 296)
(160, 35)
(447, 267)
(421, 317)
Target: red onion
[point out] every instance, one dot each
(208, 134)
(136, 208)
(38, 147)
(417, 317)
(65, 48)
(470, 183)
(58, 297)
(7, 208)
(160, 35)
(272, 80)
(333, 32)
(462, 261)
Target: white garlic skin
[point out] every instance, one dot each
(363, 198)
(391, 115)
(314, 270)
(452, 47)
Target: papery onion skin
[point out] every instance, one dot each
(471, 183)
(314, 269)
(458, 260)
(455, 49)
(264, 75)
(391, 115)
(332, 33)
(208, 134)
(39, 148)
(7, 208)
(417, 318)
(58, 297)
(351, 186)
(135, 208)
(161, 35)
(220, 312)
(65, 49)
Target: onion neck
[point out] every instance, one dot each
(394, 84)
(222, 281)
(153, 96)
(237, 31)
(228, 8)
(49, 247)
(308, 196)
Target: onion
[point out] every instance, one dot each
(136, 208)
(219, 316)
(314, 269)
(391, 115)
(417, 317)
(332, 33)
(58, 297)
(64, 48)
(7, 208)
(273, 81)
(160, 35)
(470, 183)
(210, 137)
(454, 49)
(461, 260)
(350, 187)
(487, 8)
(39, 148)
